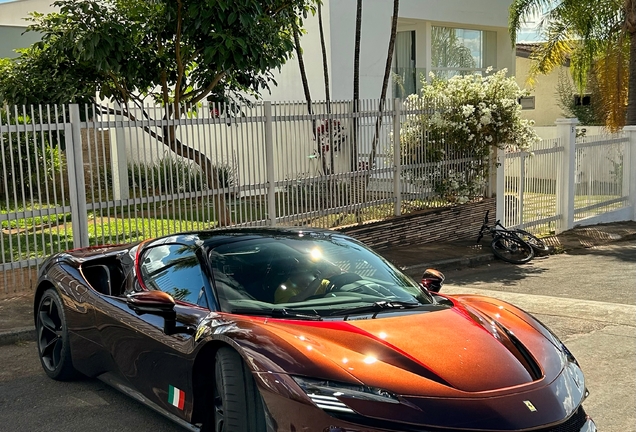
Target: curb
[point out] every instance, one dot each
(24, 334)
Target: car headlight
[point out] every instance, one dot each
(328, 395)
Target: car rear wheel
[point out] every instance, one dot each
(53, 341)
(237, 404)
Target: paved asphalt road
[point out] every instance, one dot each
(589, 300)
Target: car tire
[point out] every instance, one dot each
(54, 348)
(237, 403)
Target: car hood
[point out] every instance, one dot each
(477, 347)
(481, 364)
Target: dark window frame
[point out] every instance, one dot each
(582, 100)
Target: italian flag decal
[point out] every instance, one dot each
(176, 397)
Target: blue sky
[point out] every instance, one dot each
(528, 31)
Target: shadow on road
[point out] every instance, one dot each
(497, 272)
(625, 251)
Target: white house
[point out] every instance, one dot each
(443, 37)
(13, 23)
(427, 31)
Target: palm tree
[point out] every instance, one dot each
(303, 77)
(385, 82)
(356, 85)
(301, 66)
(325, 70)
(599, 37)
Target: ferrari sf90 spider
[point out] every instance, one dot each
(263, 330)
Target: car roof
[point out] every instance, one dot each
(219, 236)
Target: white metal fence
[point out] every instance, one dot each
(74, 176)
(568, 181)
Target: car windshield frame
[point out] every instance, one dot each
(306, 275)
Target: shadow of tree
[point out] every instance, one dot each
(624, 250)
(497, 272)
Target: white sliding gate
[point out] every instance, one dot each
(569, 181)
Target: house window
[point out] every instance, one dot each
(405, 76)
(527, 103)
(457, 51)
(582, 100)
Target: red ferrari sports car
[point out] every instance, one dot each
(263, 329)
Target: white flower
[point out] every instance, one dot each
(467, 110)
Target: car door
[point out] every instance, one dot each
(151, 362)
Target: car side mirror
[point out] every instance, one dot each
(433, 280)
(151, 302)
(158, 303)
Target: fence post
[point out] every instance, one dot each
(118, 157)
(500, 194)
(629, 167)
(269, 164)
(566, 130)
(397, 155)
(77, 188)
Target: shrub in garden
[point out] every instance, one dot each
(171, 175)
(462, 118)
(29, 162)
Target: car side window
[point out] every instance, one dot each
(176, 270)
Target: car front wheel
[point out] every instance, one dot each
(237, 404)
(53, 342)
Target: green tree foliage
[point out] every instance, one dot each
(599, 36)
(177, 53)
(570, 101)
(173, 51)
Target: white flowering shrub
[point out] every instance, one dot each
(462, 118)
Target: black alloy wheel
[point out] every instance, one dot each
(237, 403)
(53, 341)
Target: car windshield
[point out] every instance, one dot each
(308, 275)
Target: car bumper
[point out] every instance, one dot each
(289, 409)
(287, 415)
(589, 426)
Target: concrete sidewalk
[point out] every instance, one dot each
(16, 314)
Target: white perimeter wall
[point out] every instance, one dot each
(13, 13)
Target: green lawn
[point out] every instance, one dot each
(29, 238)
(37, 243)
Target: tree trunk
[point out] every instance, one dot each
(207, 167)
(168, 138)
(303, 72)
(356, 86)
(325, 70)
(385, 83)
(631, 94)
